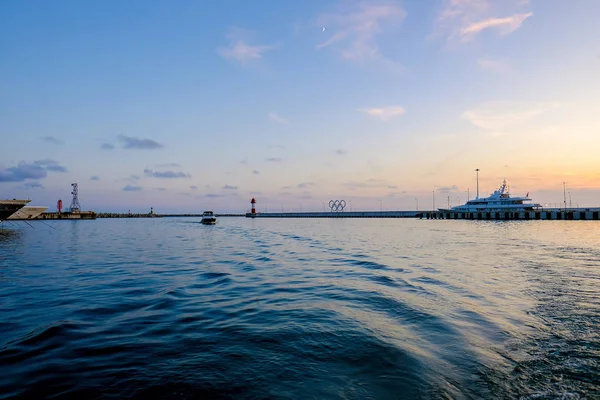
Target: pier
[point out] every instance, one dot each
(555, 214)
(343, 214)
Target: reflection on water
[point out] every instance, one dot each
(301, 308)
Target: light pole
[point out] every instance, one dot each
(417, 201)
(433, 197)
(468, 195)
(570, 204)
(477, 170)
(565, 195)
(448, 202)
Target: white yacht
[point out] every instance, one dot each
(208, 218)
(500, 200)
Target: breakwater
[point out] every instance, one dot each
(66, 215)
(342, 214)
(148, 215)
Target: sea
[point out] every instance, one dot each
(300, 308)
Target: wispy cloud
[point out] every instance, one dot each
(447, 189)
(166, 174)
(95, 178)
(274, 159)
(132, 188)
(504, 26)
(50, 165)
(194, 187)
(273, 116)
(159, 189)
(462, 20)
(341, 152)
(256, 172)
(229, 187)
(130, 142)
(354, 28)
(51, 139)
(505, 115)
(305, 185)
(239, 50)
(213, 195)
(498, 66)
(168, 165)
(384, 113)
(107, 146)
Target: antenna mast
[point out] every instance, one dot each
(75, 206)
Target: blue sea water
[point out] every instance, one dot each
(300, 308)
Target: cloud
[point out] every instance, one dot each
(194, 187)
(168, 165)
(274, 159)
(229, 187)
(341, 152)
(384, 113)
(369, 183)
(504, 115)
(256, 172)
(166, 174)
(159, 189)
(239, 50)
(50, 165)
(462, 20)
(51, 139)
(107, 146)
(132, 188)
(305, 185)
(354, 29)
(499, 66)
(141, 144)
(447, 189)
(95, 178)
(213, 195)
(35, 170)
(277, 118)
(392, 187)
(504, 25)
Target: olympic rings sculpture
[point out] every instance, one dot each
(337, 205)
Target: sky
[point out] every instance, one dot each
(193, 105)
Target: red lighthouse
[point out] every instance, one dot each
(253, 202)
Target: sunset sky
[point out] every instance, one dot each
(192, 105)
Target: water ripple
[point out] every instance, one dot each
(168, 308)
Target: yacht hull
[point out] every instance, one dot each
(9, 207)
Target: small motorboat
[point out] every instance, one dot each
(208, 218)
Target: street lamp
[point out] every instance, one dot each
(477, 170)
(417, 202)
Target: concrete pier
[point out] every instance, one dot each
(584, 214)
(342, 214)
